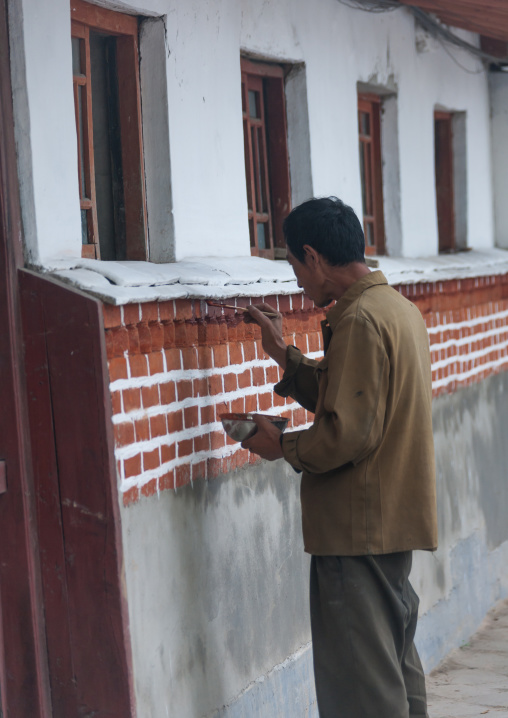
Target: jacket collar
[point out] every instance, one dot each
(355, 290)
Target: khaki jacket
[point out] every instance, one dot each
(368, 483)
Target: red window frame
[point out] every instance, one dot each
(445, 192)
(86, 17)
(369, 133)
(266, 156)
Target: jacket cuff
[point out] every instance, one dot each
(289, 444)
(293, 360)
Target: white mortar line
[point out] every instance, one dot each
(438, 383)
(470, 339)
(193, 458)
(472, 356)
(468, 322)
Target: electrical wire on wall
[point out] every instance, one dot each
(431, 25)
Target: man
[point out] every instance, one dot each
(367, 463)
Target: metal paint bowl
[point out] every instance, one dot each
(242, 426)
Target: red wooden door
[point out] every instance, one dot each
(24, 689)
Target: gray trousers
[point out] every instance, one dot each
(363, 618)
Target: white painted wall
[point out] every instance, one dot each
(340, 47)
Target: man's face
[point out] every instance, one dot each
(309, 279)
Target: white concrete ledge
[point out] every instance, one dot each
(215, 277)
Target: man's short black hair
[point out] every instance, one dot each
(327, 225)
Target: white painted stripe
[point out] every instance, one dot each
(196, 458)
(468, 322)
(463, 376)
(471, 339)
(472, 356)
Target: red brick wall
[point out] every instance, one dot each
(176, 365)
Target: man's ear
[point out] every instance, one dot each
(312, 258)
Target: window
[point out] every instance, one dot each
(266, 156)
(371, 172)
(108, 125)
(443, 151)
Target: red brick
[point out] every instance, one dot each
(184, 389)
(272, 374)
(145, 339)
(220, 355)
(215, 386)
(191, 417)
(265, 401)
(173, 359)
(168, 334)
(278, 400)
(131, 496)
(150, 396)
(150, 312)
(134, 347)
(200, 387)
(158, 426)
(230, 382)
(167, 311)
(112, 316)
(299, 417)
(116, 402)
(117, 369)
(223, 333)
(124, 433)
(139, 365)
(131, 314)
(189, 358)
(258, 376)
(249, 351)
(199, 471)
(235, 353)
(213, 468)
(222, 408)
(204, 357)
(132, 467)
(185, 447)
(217, 440)
(207, 414)
(167, 481)
(183, 309)
(157, 336)
(150, 488)
(168, 453)
(284, 304)
(244, 379)
(182, 475)
(142, 429)
(202, 443)
(175, 421)
(120, 338)
(155, 363)
(238, 406)
(251, 403)
(151, 460)
(110, 348)
(212, 333)
(168, 393)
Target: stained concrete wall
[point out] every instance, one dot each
(217, 579)
(199, 118)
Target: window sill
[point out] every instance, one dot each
(216, 278)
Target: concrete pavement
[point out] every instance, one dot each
(472, 681)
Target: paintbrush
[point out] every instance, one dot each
(238, 309)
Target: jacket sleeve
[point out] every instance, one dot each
(349, 424)
(299, 381)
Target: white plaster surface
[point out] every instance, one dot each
(213, 277)
(338, 47)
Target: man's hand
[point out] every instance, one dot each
(266, 441)
(271, 331)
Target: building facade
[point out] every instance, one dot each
(158, 146)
